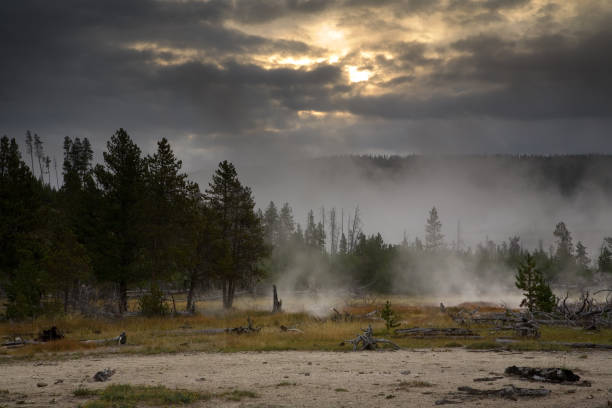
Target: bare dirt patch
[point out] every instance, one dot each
(369, 378)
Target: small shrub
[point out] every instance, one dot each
(84, 392)
(285, 384)
(153, 303)
(537, 293)
(388, 316)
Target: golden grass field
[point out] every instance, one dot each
(177, 333)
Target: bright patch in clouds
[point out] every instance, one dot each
(355, 75)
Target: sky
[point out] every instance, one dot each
(260, 80)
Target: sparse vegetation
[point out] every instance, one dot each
(414, 384)
(154, 335)
(128, 396)
(285, 384)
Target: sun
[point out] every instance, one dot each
(355, 75)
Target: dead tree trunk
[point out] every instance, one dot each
(123, 297)
(191, 295)
(276, 302)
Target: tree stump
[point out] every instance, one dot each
(276, 302)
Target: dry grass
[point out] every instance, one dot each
(131, 396)
(178, 334)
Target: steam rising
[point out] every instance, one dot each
(479, 199)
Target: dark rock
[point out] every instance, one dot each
(103, 375)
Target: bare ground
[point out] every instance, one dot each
(314, 379)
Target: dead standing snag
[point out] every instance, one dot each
(367, 341)
(277, 304)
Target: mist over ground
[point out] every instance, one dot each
(492, 197)
(482, 201)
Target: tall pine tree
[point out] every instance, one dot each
(119, 240)
(434, 239)
(241, 230)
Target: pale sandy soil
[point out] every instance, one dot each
(371, 378)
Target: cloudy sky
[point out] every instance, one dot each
(255, 80)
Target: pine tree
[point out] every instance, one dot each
(165, 210)
(388, 315)
(343, 248)
(564, 254)
(433, 231)
(119, 241)
(241, 230)
(604, 262)
(310, 233)
(286, 226)
(582, 258)
(20, 203)
(514, 251)
(271, 222)
(537, 293)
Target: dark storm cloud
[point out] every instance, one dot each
(239, 97)
(196, 67)
(259, 11)
(68, 64)
(539, 78)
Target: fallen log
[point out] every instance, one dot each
(290, 329)
(508, 391)
(18, 342)
(367, 341)
(120, 339)
(436, 332)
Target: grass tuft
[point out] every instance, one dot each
(84, 392)
(237, 395)
(285, 384)
(414, 384)
(131, 396)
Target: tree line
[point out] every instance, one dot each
(131, 221)
(136, 221)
